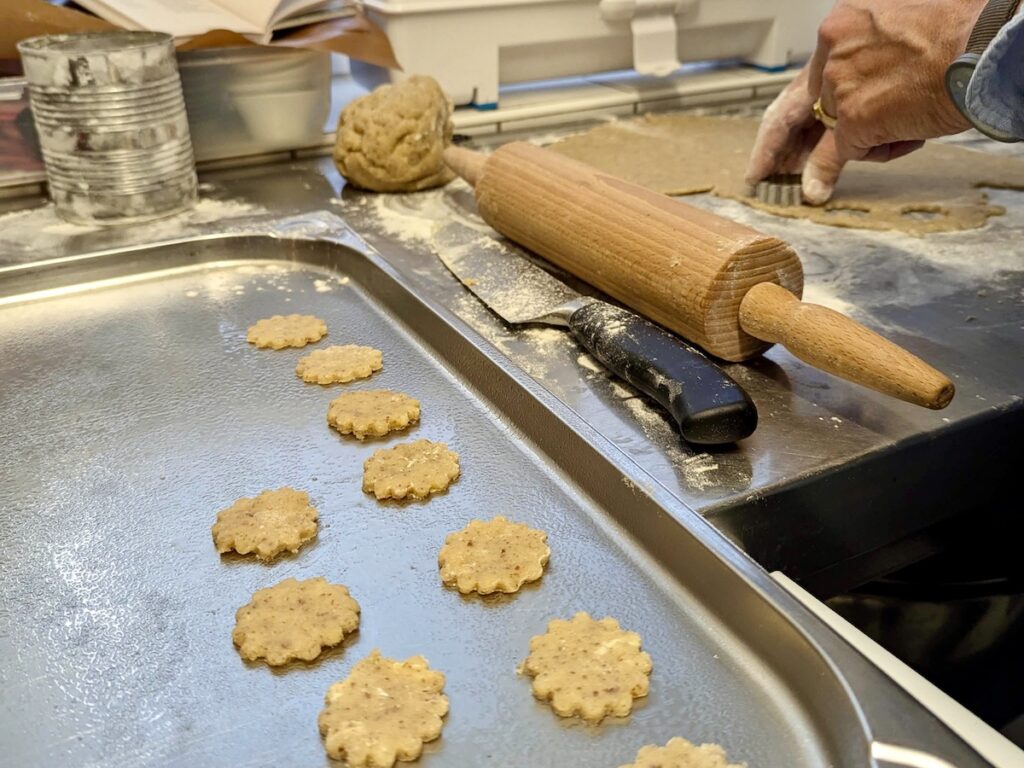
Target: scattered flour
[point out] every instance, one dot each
(699, 471)
(891, 268)
(817, 293)
(414, 218)
(403, 224)
(586, 361)
(40, 229)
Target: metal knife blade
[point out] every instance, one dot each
(708, 406)
(509, 283)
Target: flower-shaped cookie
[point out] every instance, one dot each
(282, 331)
(294, 620)
(273, 522)
(588, 667)
(372, 412)
(493, 556)
(413, 470)
(339, 364)
(680, 753)
(383, 711)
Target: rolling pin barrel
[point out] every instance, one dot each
(722, 285)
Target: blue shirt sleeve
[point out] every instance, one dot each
(995, 95)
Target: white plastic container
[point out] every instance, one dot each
(473, 46)
(254, 100)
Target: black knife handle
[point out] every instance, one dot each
(710, 408)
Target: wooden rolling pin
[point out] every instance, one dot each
(724, 286)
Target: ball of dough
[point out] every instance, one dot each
(391, 140)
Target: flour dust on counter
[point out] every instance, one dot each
(413, 219)
(877, 275)
(39, 230)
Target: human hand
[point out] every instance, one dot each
(879, 69)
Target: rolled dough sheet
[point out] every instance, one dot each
(939, 188)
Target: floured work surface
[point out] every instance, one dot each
(939, 188)
(954, 299)
(117, 612)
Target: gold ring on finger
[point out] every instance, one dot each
(822, 116)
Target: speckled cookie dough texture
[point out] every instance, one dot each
(587, 667)
(267, 525)
(680, 753)
(339, 364)
(282, 331)
(372, 412)
(294, 620)
(410, 470)
(392, 140)
(493, 556)
(383, 711)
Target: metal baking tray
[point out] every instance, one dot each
(133, 410)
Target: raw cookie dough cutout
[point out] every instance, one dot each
(282, 331)
(339, 364)
(410, 470)
(391, 140)
(373, 412)
(936, 189)
(276, 521)
(383, 711)
(294, 620)
(493, 556)
(680, 753)
(587, 667)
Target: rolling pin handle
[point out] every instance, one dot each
(465, 163)
(834, 343)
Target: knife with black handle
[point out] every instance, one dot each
(706, 404)
(709, 407)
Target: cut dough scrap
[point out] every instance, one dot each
(339, 364)
(493, 556)
(373, 412)
(587, 667)
(936, 189)
(294, 620)
(680, 753)
(267, 525)
(282, 331)
(392, 140)
(383, 711)
(413, 470)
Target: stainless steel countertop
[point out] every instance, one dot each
(808, 490)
